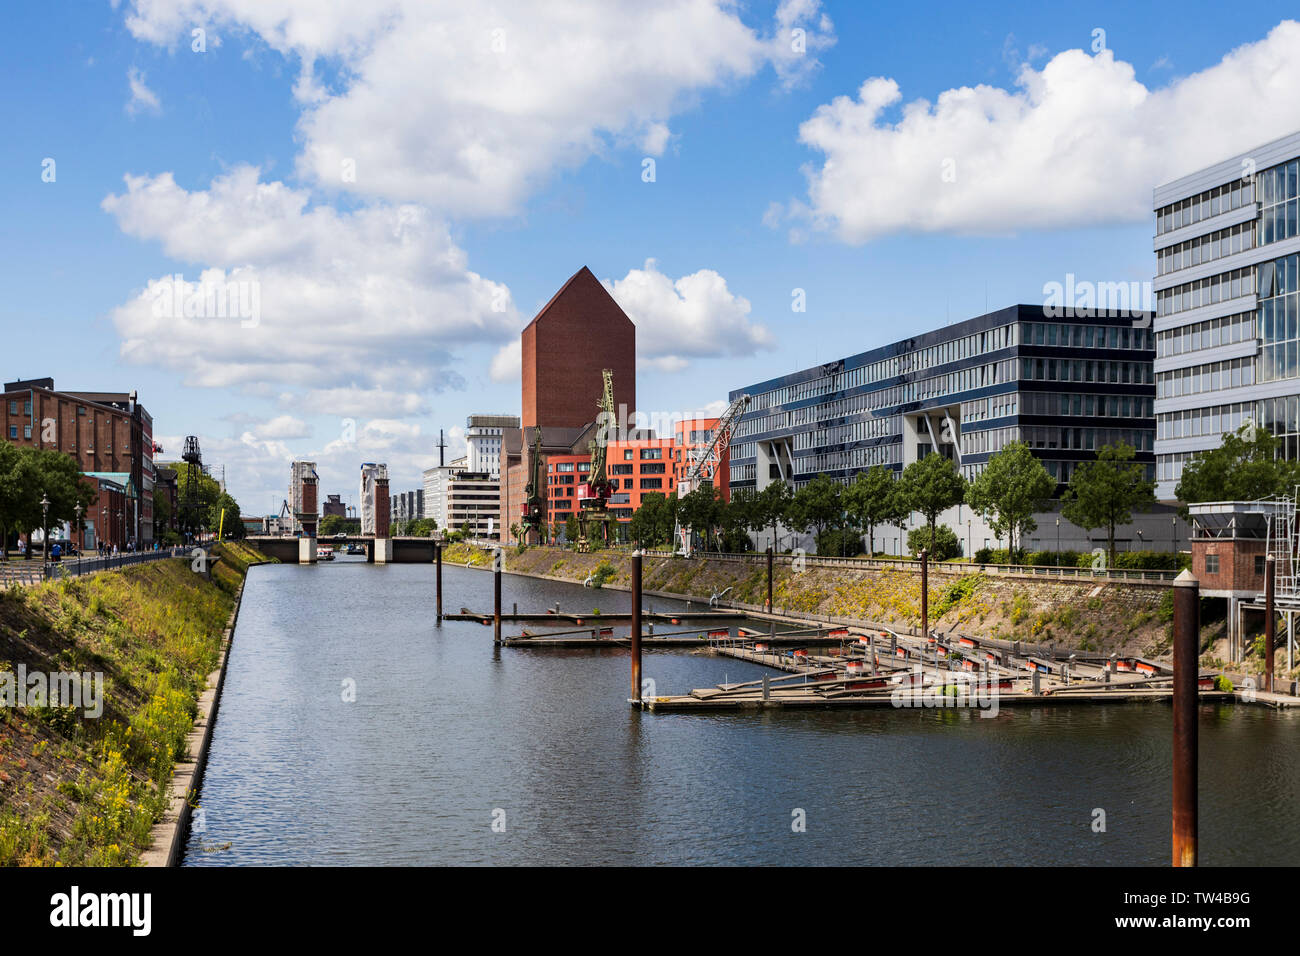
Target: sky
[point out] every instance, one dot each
(386, 193)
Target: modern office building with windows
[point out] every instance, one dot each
(1065, 381)
(1227, 310)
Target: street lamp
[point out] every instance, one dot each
(45, 529)
(77, 527)
(1173, 522)
(1058, 538)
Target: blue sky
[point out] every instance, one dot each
(545, 149)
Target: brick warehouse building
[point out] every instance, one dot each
(564, 349)
(109, 434)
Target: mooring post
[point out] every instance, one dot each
(1035, 674)
(925, 598)
(437, 558)
(871, 650)
(496, 597)
(1270, 573)
(767, 688)
(769, 579)
(1186, 633)
(636, 627)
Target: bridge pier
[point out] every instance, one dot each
(306, 550)
(383, 550)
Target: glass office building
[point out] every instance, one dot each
(1065, 384)
(1227, 313)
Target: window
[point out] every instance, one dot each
(1211, 564)
(1259, 564)
(13, 431)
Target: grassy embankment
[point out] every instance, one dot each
(76, 790)
(1081, 615)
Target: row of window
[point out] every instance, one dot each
(849, 432)
(969, 346)
(1210, 377)
(1088, 336)
(1085, 370)
(1279, 184)
(894, 395)
(1213, 289)
(857, 459)
(988, 440)
(1098, 406)
(1197, 422)
(1212, 202)
(1086, 439)
(1206, 335)
(1206, 248)
(995, 406)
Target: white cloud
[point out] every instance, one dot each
(142, 98)
(470, 109)
(507, 364)
(281, 427)
(695, 316)
(1076, 143)
(378, 298)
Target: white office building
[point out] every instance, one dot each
(1227, 319)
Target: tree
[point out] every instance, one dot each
(871, 500)
(647, 521)
(737, 519)
(939, 546)
(701, 511)
(29, 474)
(1013, 485)
(572, 530)
(1244, 467)
(771, 507)
(931, 485)
(1105, 493)
(818, 505)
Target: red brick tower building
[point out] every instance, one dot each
(564, 350)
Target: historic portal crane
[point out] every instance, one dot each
(705, 461)
(534, 514)
(595, 492)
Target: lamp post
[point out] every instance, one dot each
(45, 529)
(969, 555)
(77, 527)
(1173, 523)
(1058, 538)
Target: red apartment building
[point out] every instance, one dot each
(636, 467)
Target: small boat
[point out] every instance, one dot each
(325, 554)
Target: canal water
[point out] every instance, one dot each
(455, 753)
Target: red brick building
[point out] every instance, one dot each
(109, 434)
(580, 332)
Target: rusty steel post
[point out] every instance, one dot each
(437, 557)
(1270, 575)
(925, 597)
(636, 626)
(769, 579)
(1186, 651)
(496, 601)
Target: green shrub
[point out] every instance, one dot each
(946, 545)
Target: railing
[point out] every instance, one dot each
(912, 564)
(23, 571)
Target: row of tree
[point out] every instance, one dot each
(1012, 488)
(28, 475)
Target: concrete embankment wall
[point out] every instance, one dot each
(169, 834)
